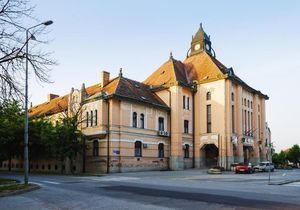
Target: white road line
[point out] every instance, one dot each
(117, 179)
(50, 182)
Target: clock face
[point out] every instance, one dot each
(207, 47)
(197, 47)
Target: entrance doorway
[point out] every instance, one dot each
(247, 152)
(211, 155)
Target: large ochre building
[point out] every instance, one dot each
(196, 113)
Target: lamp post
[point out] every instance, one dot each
(26, 161)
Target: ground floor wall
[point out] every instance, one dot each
(44, 166)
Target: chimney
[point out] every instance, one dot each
(52, 96)
(104, 78)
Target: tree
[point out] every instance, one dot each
(293, 155)
(41, 136)
(68, 138)
(279, 159)
(13, 14)
(11, 130)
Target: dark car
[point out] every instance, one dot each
(244, 168)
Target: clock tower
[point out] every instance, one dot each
(201, 43)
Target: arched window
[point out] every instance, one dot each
(87, 119)
(142, 121)
(92, 118)
(134, 120)
(96, 117)
(245, 102)
(161, 152)
(208, 96)
(232, 96)
(186, 151)
(95, 148)
(138, 149)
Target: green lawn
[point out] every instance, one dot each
(7, 181)
(13, 187)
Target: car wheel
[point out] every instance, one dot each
(272, 170)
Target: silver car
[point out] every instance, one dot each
(264, 166)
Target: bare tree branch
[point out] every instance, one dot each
(13, 14)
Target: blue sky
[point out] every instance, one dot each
(259, 39)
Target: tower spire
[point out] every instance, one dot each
(171, 55)
(120, 73)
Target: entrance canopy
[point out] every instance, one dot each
(209, 138)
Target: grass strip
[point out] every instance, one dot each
(7, 181)
(14, 187)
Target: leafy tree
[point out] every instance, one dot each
(293, 154)
(68, 139)
(13, 15)
(11, 130)
(41, 135)
(46, 141)
(279, 158)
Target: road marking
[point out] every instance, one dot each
(295, 184)
(50, 182)
(116, 179)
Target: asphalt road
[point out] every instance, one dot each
(192, 189)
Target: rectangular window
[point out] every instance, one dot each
(96, 117)
(188, 103)
(249, 126)
(161, 125)
(246, 128)
(258, 127)
(208, 118)
(92, 118)
(243, 126)
(186, 126)
(87, 119)
(183, 101)
(232, 119)
(252, 121)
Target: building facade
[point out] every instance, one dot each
(195, 113)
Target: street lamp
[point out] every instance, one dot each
(49, 22)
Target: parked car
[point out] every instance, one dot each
(215, 170)
(264, 166)
(244, 168)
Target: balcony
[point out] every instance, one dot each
(163, 133)
(247, 141)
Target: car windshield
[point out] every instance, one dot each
(262, 164)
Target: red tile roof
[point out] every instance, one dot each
(171, 72)
(119, 87)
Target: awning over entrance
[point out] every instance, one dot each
(209, 138)
(93, 135)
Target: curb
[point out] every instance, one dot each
(284, 182)
(29, 189)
